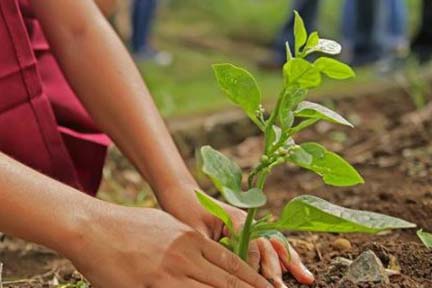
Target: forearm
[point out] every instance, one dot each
(39, 209)
(111, 88)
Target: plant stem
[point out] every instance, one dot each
(246, 233)
(245, 236)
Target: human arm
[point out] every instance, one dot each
(107, 82)
(118, 241)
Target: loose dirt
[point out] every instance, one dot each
(391, 146)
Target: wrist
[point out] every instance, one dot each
(76, 227)
(181, 202)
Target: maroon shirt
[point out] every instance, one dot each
(42, 123)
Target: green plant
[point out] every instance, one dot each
(291, 115)
(425, 237)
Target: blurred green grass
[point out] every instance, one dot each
(199, 33)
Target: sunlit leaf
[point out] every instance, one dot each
(302, 73)
(312, 41)
(334, 68)
(326, 46)
(331, 167)
(425, 237)
(300, 33)
(240, 87)
(308, 109)
(310, 213)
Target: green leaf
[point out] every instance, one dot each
(308, 109)
(302, 73)
(334, 68)
(240, 87)
(300, 33)
(226, 175)
(426, 238)
(252, 198)
(331, 167)
(220, 169)
(326, 46)
(216, 210)
(298, 155)
(289, 99)
(310, 213)
(312, 41)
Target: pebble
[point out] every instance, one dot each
(342, 244)
(366, 268)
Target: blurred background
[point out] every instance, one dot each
(188, 36)
(174, 44)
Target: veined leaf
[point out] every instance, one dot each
(216, 210)
(331, 167)
(334, 68)
(310, 213)
(240, 87)
(300, 33)
(425, 237)
(226, 175)
(312, 41)
(308, 109)
(290, 98)
(298, 155)
(300, 72)
(252, 198)
(223, 172)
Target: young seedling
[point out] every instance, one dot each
(291, 115)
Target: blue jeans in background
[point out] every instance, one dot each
(308, 9)
(371, 29)
(143, 12)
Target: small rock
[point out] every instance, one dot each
(367, 268)
(342, 244)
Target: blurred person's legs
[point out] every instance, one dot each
(143, 12)
(395, 41)
(422, 43)
(363, 30)
(308, 9)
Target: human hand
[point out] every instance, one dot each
(132, 247)
(273, 254)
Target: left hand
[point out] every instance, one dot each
(274, 256)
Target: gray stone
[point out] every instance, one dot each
(367, 268)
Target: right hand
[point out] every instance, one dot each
(133, 247)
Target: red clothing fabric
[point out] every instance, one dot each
(42, 123)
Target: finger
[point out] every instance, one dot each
(291, 260)
(210, 274)
(232, 264)
(196, 284)
(254, 256)
(270, 265)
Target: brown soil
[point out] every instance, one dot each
(391, 146)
